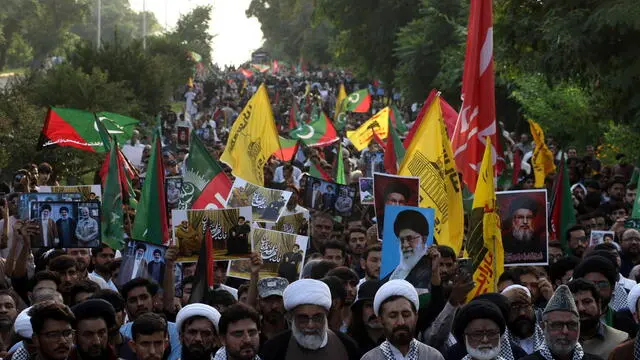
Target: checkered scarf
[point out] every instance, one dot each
(538, 340)
(618, 298)
(578, 353)
(505, 347)
(468, 357)
(388, 354)
(636, 349)
(20, 354)
(221, 354)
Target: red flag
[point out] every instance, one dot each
(247, 73)
(377, 139)
(209, 256)
(126, 173)
(449, 115)
(477, 118)
(292, 116)
(517, 164)
(421, 114)
(275, 67)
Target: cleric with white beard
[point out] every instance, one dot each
(412, 231)
(480, 325)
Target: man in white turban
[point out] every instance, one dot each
(396, 304)
(307, 303)
(198, 327)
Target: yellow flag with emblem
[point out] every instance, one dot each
(484, 244)
(342, 94)
(362, 136)
(542, 159)
(430, 158)
(252, 139)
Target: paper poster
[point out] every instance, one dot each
(599, 237)
(173, 188)
(523, 215)
(142, 260)
(229, 228)
(282, 255)
(25, 211)
(366, 191)
(408, 233)
(67, 224)
(393, 190)
(292, 224)
(327, 196)
(88, 192)
(183, 137)
(266, 204)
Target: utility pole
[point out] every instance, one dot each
(144, 24)
(99, 32)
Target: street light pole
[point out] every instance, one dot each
(144, 24)
(99, 33)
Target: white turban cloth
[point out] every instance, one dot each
(307, 292)
(632, 298)
(395, 288)
(22, 325)
(197, 309)
(516, 286)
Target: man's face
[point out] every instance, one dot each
(410, 243)
(84, 212)
(630, 196)
(189, 269)
(220, 275)
(521, 320)
(64, 213)
(92, 338)
(272, 308)
(351, 288)
(572, 153)
(589, 150)
(578, 242)
(561, 331)
(588, 225)
(357, 243)
(198, 338)
(54, 340)
(309, 325)
(334, 255)
(618, 214)
(68, 278)
(398, 319)
(482, 337)
(241, 221)
(103, 260)
(616, 191)
(555, 254)
(631, 242)
(8, 312)
(601, 223)
(50, 284)
(242, 340)
(523, 224)
(139, 301)
(603, 285)
(369, 318)
(186, 293)
(395, 199)
(139, 254)
(44, 214)
(322, 228)
(371, 264)
(150, 347)
(82, 256)
(157, 256)
(530, 281)
(588, 308)
(447, 268)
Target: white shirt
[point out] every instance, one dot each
(278, 175)
(396, 353)
(45, 232)
(628, 284)
(96, 278)
(12, 221)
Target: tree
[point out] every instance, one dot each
(13, 18)
(193, 31)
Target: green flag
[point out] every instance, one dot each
(635, 213)
(562, 215)
(151, 223)
(340, 175)
(112, 231)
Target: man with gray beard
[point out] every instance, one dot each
(307, 303)
(561, 324)
(523, 238)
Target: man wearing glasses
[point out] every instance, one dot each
(561, 323)
(52, 331)
(479, 325)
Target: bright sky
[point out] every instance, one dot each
(235, 35)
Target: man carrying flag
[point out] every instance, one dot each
(484, 243)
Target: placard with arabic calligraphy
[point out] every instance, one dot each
(266, 204)
(230, 233)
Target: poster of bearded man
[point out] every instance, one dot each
(524, 226)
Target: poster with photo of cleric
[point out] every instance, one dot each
(408, 233)
(329, 197)
(26, 212)
(292, 224)
(183, 137)
(266, 204)
(88, 192)
(282, 255)
(366, 190)
(142, 260)
(393, 190)
(230, 231)
(173, 188)
(67, 224)
(523, 215)
(598, 237)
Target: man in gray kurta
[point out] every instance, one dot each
(396, 305)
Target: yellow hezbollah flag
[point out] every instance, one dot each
(362, 136)
(430, 158)
(484, 245)
(542, 160)
(252, 140)
(342, 94)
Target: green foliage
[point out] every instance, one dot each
(19, 53)
(193, 31)
(620, 138)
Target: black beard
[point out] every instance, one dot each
(201, 353)
(522, 327)
(103, 355)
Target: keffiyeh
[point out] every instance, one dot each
(221, 354)
(578, 353)
(538, 340)
(388, 353)
(619, 298)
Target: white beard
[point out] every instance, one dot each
(405, 266)
(310, 342)
(483, 354)
(523, 235)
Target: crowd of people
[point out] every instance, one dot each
(60, 304)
